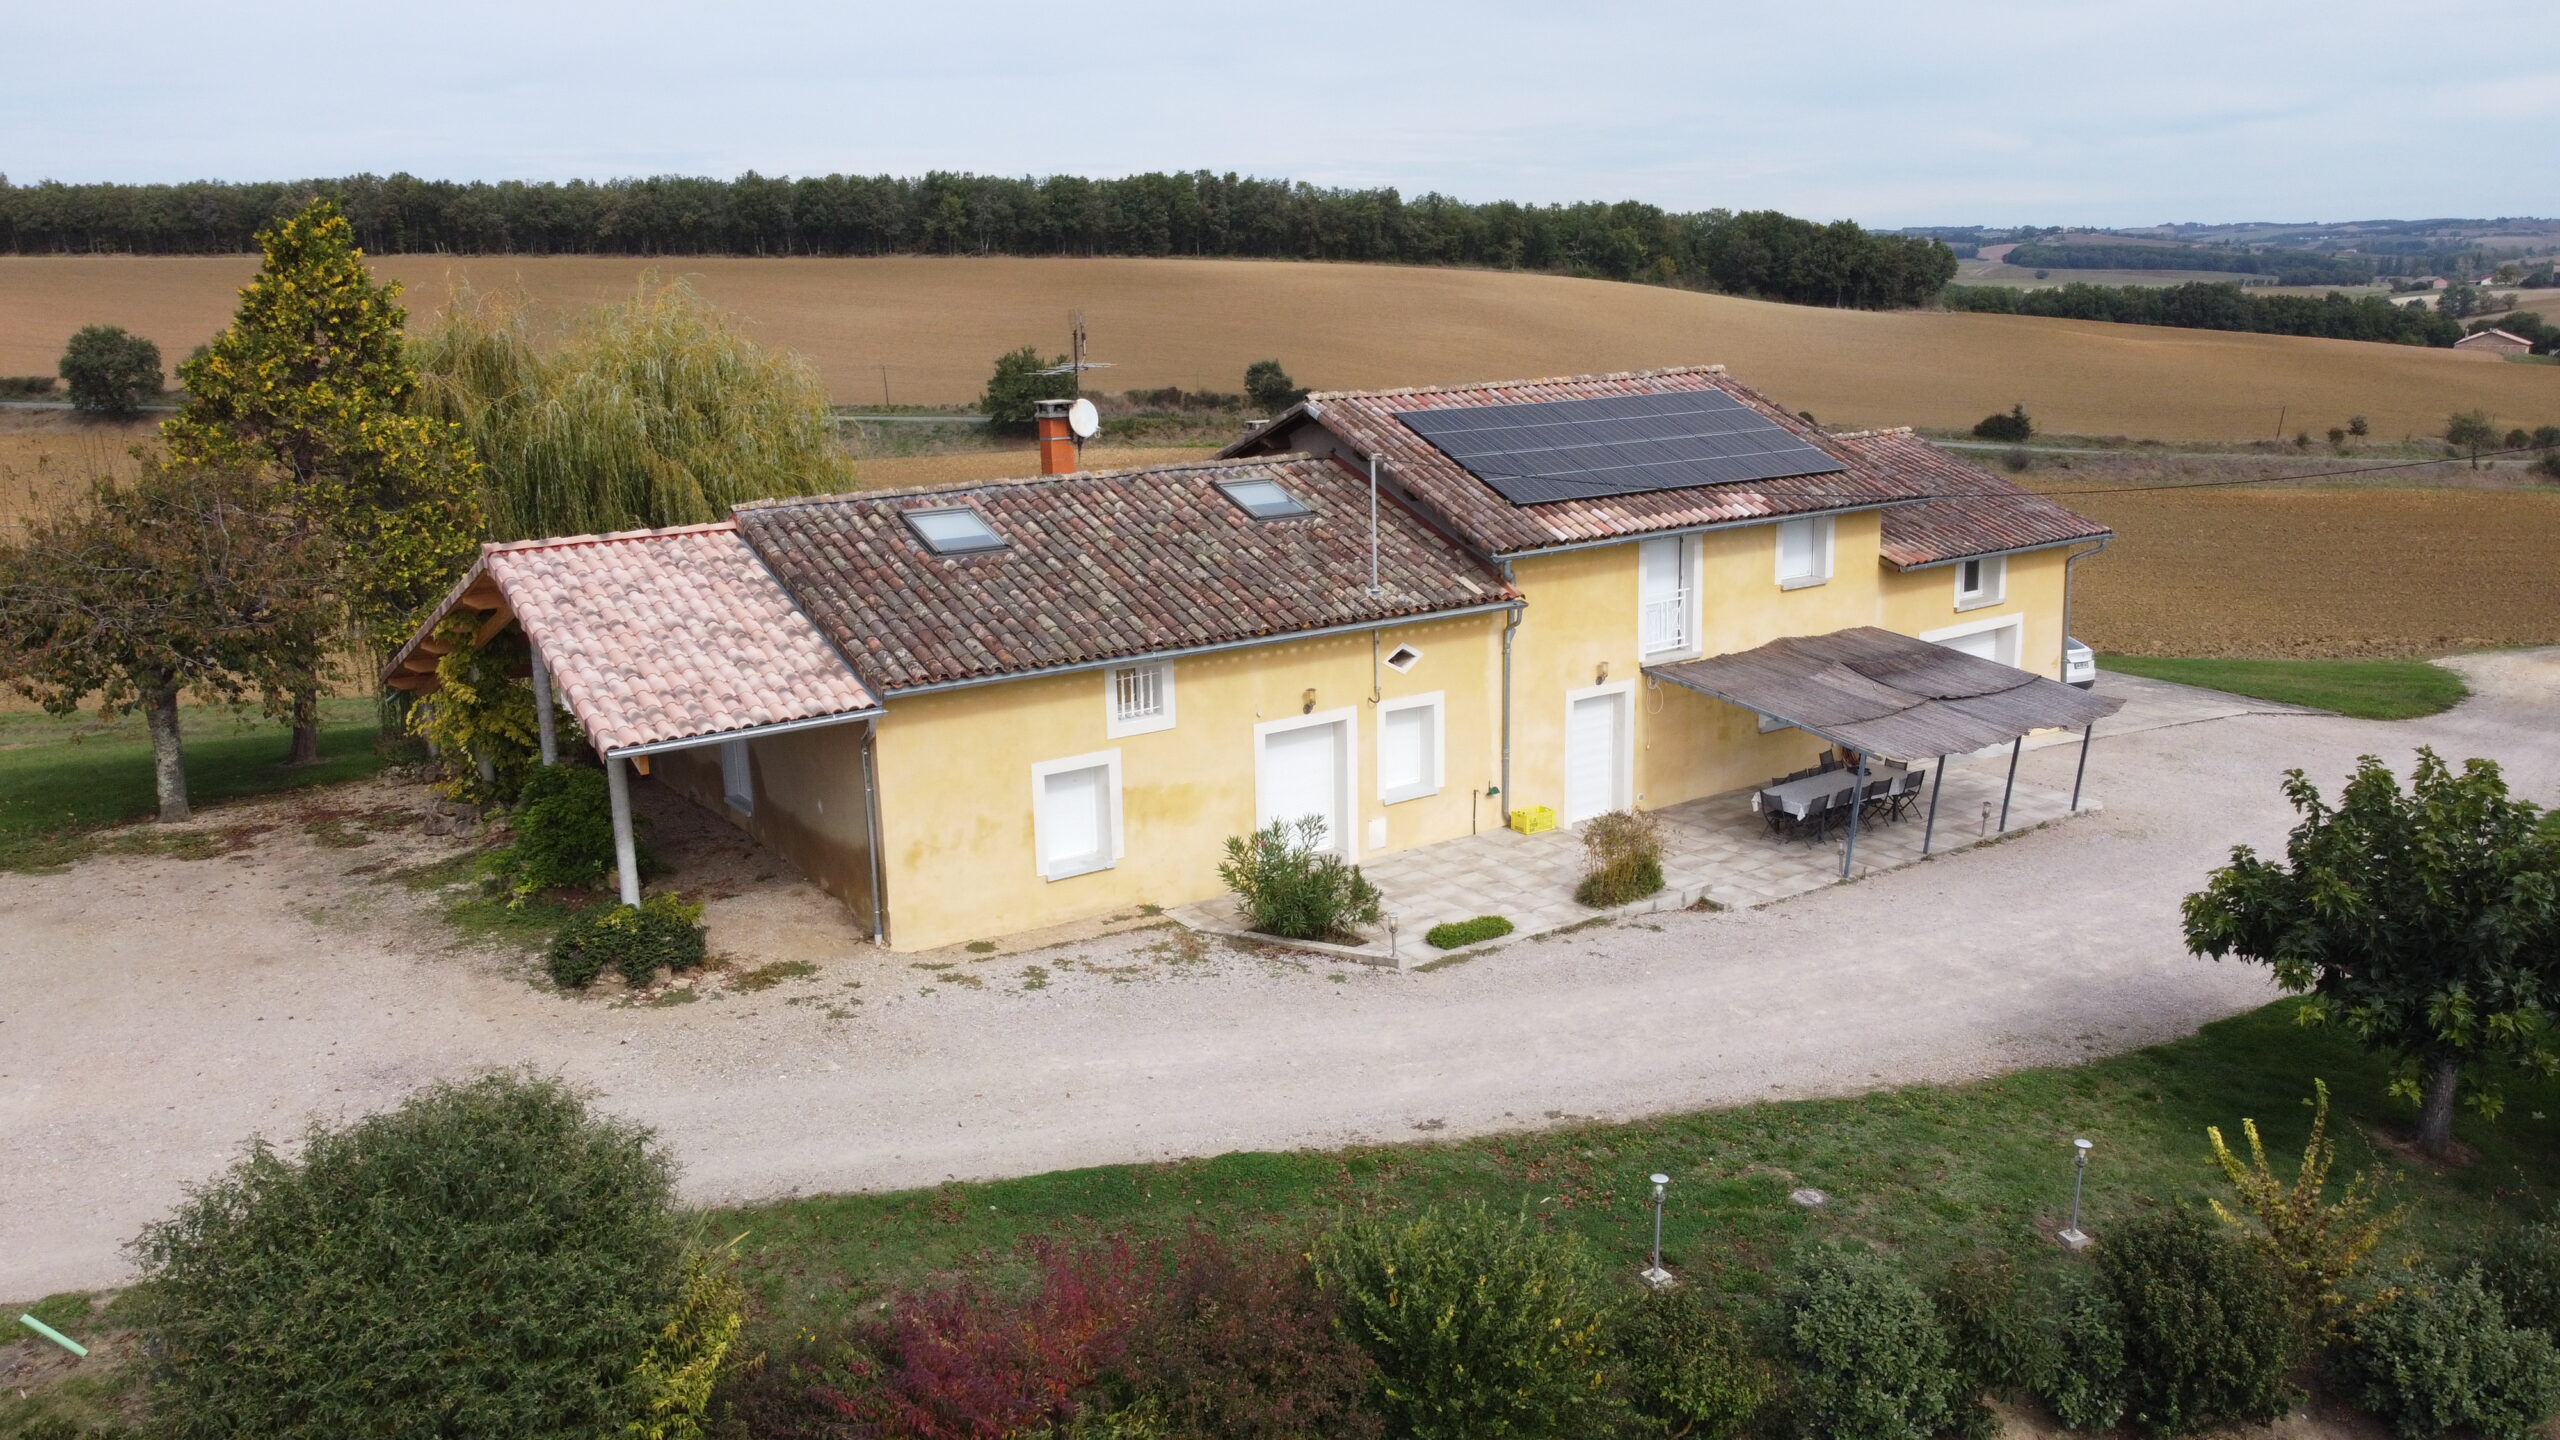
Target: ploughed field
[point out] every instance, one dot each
(937, 323)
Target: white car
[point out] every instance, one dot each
(2079, 663)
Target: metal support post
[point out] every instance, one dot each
(1857, 807)
(542, 709)
(1937, 783)
(2083, 772)
(2012, 787)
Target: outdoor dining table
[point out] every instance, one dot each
(1795, 796)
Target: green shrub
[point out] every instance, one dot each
(2084, 1387)
(1995, 1338)
(487, 1259)
(109, 370)
(2441, 1356)
(2207, 1338)
(25, 387)
(563, 825)
(2522, 1268)
(661, 931)
(1687, 1368)
(2013, 428)
(1621, 858)
(1478, 1324)
(1293, 887)
(1457, 933)
(1871, 1360)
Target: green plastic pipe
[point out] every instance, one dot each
(56, 1336)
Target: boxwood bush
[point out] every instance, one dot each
(2522, 1268)
(1687, 1368)
(487, 1259)
(1871, 1360)
(563, 824)
(662, 931)
(1456, 934)
(2442, 1356)
(2084, 1386)
(2207, 1338)
(1479, 1325)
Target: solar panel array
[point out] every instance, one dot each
(1539, 453)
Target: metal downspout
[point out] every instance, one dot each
(871, 809)
(1510, 627)
(2069, 564)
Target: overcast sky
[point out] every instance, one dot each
(1892, 112)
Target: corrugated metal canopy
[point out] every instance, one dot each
(1889, 695)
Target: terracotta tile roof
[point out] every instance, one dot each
(657, 635)
(1974, 513)
(1102, 565)
(1366, 420)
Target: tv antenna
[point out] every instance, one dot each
(1076, 363)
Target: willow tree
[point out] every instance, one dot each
(651, 411)
(312, 379)
(2425, 921)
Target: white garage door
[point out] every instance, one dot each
(1302, 775)
(2000, 645)
(1594, 756)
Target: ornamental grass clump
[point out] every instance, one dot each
(1621, 858)
(1479, 1324)
(661, 932)
(488, 1259)
(1295, 888)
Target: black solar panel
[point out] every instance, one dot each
(1553, 450)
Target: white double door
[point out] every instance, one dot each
(1305, 770)
(1597, 765)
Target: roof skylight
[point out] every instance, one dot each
(1264, 499)
(956, 530)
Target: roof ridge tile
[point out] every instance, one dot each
(1584, 379)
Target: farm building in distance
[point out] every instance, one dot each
(2495, 342)
(983, 709)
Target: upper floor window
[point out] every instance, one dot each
(1667, 595)
(1140, 697)
(1981, 582)
(1804, 552)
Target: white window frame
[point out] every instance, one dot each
(1826, 534)
(1113, 726)
(1995, 582)
(1106, 760)
(1686, 566)
(1436, 762)
(737, 776)
(1625, 799)
(1347, 783)
(2015, 624)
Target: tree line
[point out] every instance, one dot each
(1761, 253)
(2290, 267)
(2206, 305)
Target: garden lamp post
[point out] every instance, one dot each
(1654, 1275)
(2072, 1237)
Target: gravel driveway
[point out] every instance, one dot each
(154, 1011)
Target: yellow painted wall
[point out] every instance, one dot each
(809, 802)
(1582, 610)
(956, 775)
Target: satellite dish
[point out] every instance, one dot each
(1083, 420)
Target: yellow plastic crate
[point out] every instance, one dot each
(1530, 819)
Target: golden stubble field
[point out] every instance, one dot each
(937, 324)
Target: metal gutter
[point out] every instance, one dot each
(1355, 627)
(752, 732)
(1510, 555)
(2012, 550)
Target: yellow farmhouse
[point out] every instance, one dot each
(982, 709)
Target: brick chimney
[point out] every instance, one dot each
(1057, 444)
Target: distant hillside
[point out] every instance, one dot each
(937, 324)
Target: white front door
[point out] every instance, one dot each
(1595, 759)
(1302, 772)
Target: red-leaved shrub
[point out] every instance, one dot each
(1241, 1346)
(964, 1363)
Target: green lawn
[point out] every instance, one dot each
(1932, 1171)
(2366, 689)
(60, 777)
